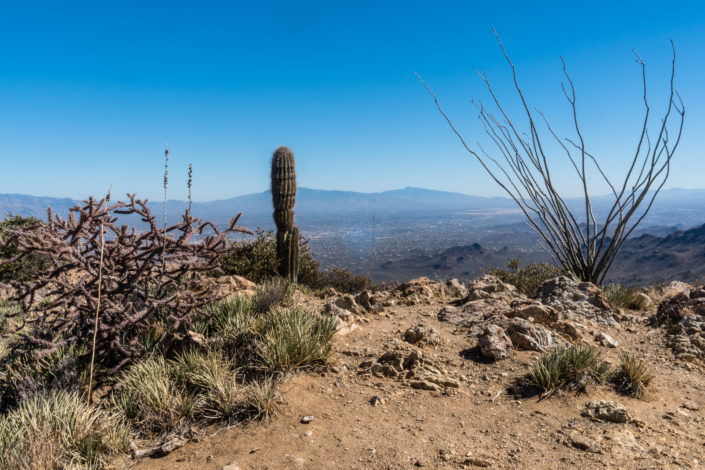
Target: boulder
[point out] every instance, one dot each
(532, 337)
(533, 310)
(494, 343)
(418, 334)
(603, 410)
(455, 288)
(487, 285)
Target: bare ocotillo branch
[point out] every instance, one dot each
(521, 169)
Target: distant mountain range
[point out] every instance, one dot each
(680, 204)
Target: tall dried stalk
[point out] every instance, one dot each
(190, 180)
(97, 308)
(166, 182)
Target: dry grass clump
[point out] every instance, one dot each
(633, 376)
(59, 430)
(150, 398)
(294, 337)
(625, 297)
(207, 376)
(273, 293)
(574, 368)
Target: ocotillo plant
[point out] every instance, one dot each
(283, 199)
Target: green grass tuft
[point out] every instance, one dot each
(294, 337)
(575, 368)
(625, 297)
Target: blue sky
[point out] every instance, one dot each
(91, 91)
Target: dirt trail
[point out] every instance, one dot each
(478, 424)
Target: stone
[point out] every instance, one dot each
(531, 337)
(306, 419)
(347, 321)
(577, 300)
(230, 466)
(346, 302)
(583, 442)
(418, 334)
(455, 288)
(494, 343)
(644, 299)
(690, 405)
(570, 329)
(486, 285)
(533, 309)
(423, 385)
(420, 288)
(376, 401)
(365, 300)
(606, 340)
(226, 286)
(603, 410)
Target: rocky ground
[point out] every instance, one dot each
(427, 376)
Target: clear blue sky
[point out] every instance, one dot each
(91, 91)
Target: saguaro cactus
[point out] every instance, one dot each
(283, 199)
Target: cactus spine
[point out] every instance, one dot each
(283, 199)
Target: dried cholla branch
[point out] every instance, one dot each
(58, 305)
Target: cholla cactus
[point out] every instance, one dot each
(283, 199)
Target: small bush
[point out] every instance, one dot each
(625, 297)
(57, 431)
(257, 260)
(633, 377)
(574, 368)
(148, 395)
(294, 337)
(528, 279)
(28, 264)
(341, 280)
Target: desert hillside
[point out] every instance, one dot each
(435, 376)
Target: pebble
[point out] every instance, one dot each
(306, 419)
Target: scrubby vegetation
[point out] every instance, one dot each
(528, 279)
(184, 357)
(625, 297)
(574, 368)
(256, 259)
(17, 265)
(633, 376)
(60, 430)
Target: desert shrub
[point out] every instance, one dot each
(59, 430)
(574, 368)
(633, 377)
(257, 260)
(16, 264)
(528, 279)
(291, 338)
(147, 275)
(625, 297)
(341, 280)
(149, 396)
